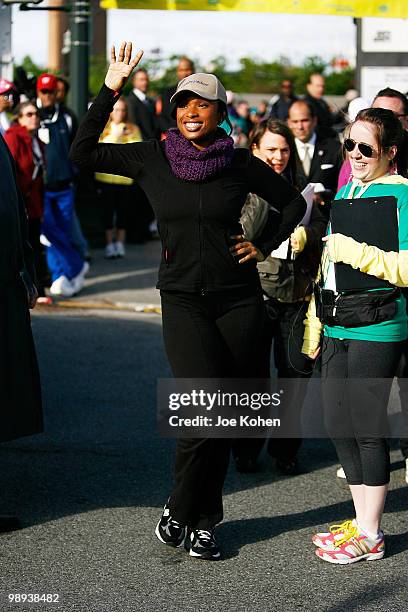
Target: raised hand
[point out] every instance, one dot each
(121, 68)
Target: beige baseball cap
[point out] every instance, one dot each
(206, 86)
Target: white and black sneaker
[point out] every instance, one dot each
(169, 531)
(202, 545)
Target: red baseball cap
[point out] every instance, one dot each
(5, 86)
(46, 81)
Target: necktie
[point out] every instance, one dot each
(306, 160)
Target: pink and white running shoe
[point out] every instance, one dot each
(326, 540)
(355, 548)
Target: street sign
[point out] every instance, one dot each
(382, 55)
(385, 36)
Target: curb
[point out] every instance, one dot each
(103, 305)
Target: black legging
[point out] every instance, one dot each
(211, 336)
(356, 413)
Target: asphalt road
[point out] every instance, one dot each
(90, 489)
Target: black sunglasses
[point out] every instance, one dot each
(365, 149)
(30, 114)
(47, 91)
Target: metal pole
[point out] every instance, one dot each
(79, 61)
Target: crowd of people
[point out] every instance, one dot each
(39, 133)
(39, 129)
(278, 234)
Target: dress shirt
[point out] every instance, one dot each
(301, 147)
(139, 94)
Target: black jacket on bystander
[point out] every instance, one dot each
(20, 393)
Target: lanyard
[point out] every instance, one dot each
(54, 118)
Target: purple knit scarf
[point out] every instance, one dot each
(190, 164)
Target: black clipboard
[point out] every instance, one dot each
(371, 220)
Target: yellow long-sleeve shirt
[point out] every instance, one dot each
(118, 133)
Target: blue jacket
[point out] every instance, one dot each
(59, 170)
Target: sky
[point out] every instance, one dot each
(205, 35)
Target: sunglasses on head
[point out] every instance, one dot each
(47, 91)
(365, 149)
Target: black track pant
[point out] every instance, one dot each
(211, 336)
(356, 414)
(284, 328)
(34, 231)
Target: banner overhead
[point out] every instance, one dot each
(354, 8)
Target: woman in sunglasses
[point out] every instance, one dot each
(362, 314)
(28, 153)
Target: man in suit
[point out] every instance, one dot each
(142, 110)
(184, 69)
(320, 157)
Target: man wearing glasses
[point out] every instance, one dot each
(6, 104)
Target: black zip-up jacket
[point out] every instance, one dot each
(195, 219)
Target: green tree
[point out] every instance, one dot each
(97, 70)
(340, 82)
(31, 68)
(253, 75)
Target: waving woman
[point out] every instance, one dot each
(211, 298)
